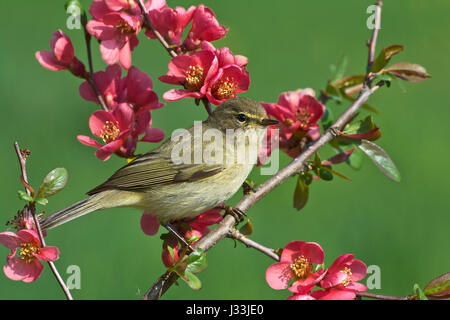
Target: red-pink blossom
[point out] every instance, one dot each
(193, 71)
(298, 113)
(27, 266)
(170, 23)
(116, 30)
(109, 85)
(204, 27)
(62, 56)
(225, 56)
(120, 130)
(228, 82)
(297, 264)
(343, 274)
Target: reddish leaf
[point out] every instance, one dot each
(339, 158)
(408, 71)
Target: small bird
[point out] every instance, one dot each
(160, 183)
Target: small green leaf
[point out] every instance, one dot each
(42, 201)
(196, 261)
(301, 193)
(419, 293)
(333, 93)
(438, 287)
(333, 172)
(339, 71)
(408, 71)
(53, 182)
(325, 174)
(192, 280)
(380, 158)
(24, 196)
(385, 55)
(193, 238)
(172, 253)
(386, 77)
(349, 82)
(355, 160)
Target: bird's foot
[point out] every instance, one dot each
(236, 213)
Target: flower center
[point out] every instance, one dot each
(224, 89)
(304, 117)
(347, 280)
(110, 131)
(125, 28)
(301, 267)
(194, 78)
(27, 251)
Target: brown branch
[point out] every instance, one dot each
(237, 235)
(90, 75)
(149, 24)
(226, 225)
(380, 297)
(373, 41)
(22, 156)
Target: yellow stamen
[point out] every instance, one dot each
(303, 116)
(347, 280)
(125, 28)
(194, 78)
(110, 131)
(301, 267)
(224, 89)
(27, 251)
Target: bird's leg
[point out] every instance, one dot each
(237, 214)
(173, 231)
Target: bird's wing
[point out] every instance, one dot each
(152, 170)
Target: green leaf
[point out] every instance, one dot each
(333, 93)
(53, 182)
(333, 172)
(419, 293)
(301, 193)
(339, 71)
(192, 280)
(327, 119)
(380, 158)
(385, 55)
(24, 196)
(42, 201)
(355, 160)
(325, 174)
(196, 261)
(409, 71)
(348, 82)
(438, 287)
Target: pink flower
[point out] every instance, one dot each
(228, 82)
(117, 32)
(109, 85)
(333, 294)
(204, 27)
(62, 56)
(343, 274)
(297, 263)
(298, 113)
(27, 267)
(113, 128)
(193, 71)
(225, 56)
(170, 23)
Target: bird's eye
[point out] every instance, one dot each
(241, 117)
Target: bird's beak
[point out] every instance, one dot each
(268, 122)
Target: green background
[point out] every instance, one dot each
(401, 227)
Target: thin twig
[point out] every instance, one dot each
(380, 297)
(90, 75)
(31, 208)
(373, 41)
(149, 24)
(237, 235)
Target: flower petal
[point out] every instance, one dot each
(9, 240)
(48, 254)
(278, 275)
(149, 224)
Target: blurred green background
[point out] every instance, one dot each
(401, 227)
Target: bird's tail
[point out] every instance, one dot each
(76, 210)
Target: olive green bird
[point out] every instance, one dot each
(173, 190)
